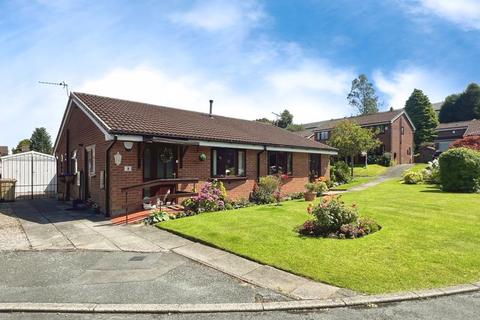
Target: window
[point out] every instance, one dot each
(403, 131)
(90, 160)
(73, 162)
(381, 128)
(280, 163)
(324, 135)
(228, 162)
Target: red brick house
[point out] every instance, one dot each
(448, 133)
(115, 152)
(395, 131)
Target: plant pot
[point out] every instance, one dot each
(310, 196)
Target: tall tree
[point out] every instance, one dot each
(22, 146)
(41, 141)
(362, 96)
(350, 139)
(463, 106)
(447, 112)
(424, 118)
(264, 120)
(286, 119)
(295, 127)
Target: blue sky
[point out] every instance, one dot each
(251, 57)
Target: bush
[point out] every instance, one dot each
(385, 159)
(471, 142)
(211, 197)
(460, 170)
(412, 177)
(341, 172)
(297, 195)
(332, 214)
(318, 187)
(267, 190)
(431, 174)
(156, 217)
(332, 218)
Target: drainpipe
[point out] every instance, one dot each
(258, 161)
(107, 177)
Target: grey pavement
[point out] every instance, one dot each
(119, 278)
(392, 172)
(456, 307)
(48, 225)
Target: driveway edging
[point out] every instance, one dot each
(237, 307)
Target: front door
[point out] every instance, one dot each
(315, 166)
(159, 162)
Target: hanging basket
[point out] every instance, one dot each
(202, 157)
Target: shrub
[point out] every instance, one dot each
(332, 214)
(267, 190)
(460, 170)
(431, 174)
(156, 217)
(412, 177)
(332, 218)
(471, 142)
(341, 172)
(385, 159)
(297, 195)
(317, 187)
(211, 197)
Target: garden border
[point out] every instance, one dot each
(237, 307)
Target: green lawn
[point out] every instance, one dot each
(363, 175)
(429, 239)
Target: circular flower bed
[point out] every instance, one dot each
(332, 218)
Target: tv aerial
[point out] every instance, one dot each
(62, 84)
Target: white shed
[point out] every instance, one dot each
(35, 172)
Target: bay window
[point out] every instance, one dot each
(280, 162)
(228, 162)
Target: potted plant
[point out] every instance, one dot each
(311, 192)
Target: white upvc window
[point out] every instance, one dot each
(91, 160)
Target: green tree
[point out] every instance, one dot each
(265, 120)
(462, 107)
(41, 141)
(22, 146)
(295, 127)
(286, 119)
(447, 112)
(350, 139)
(362, 96)
(424, 118)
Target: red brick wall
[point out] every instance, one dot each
(83, 133)
(402, 145)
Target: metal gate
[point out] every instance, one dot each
(36, 174)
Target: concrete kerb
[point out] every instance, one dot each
(297, 305)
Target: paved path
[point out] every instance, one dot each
(458, 307)
(49, 226)
(392, 172)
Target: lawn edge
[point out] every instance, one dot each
(27, 307)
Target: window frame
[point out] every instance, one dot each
(213, 161)
(289, 162)
(90, 150)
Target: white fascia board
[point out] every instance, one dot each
(128, 137)
(300, 150)
(230, 145)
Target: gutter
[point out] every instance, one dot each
(107, 176)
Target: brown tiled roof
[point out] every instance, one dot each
(136, 118)
(370, 119)
(471, 127)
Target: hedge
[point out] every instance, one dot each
(460, 170)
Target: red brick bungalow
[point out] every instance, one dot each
(115, 152)
(395, 132)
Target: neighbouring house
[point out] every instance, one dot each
(437, 106)
(115, 152)
(447, 133)
(394, 130)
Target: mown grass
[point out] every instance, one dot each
(429, 239)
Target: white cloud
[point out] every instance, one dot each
(465, 13)
(220, 15)
(311, 92)
(398, 85)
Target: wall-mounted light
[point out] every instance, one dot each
(128, 145)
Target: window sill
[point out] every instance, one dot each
(232, 178)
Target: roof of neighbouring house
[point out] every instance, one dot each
(136, 118)
(472, 127)
(364, 120)
(437, 106)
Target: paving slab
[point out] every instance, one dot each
(275, 279)
(232, 264)
(459, 289)
(198, 252)
(315, 290)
